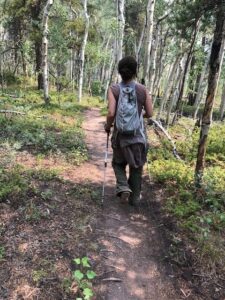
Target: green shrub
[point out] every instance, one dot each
(44, 135)
(188, 111)
(183, 209)
(198, 210)
(9, 78)
(214, 183)
(216, 141)
(172, 171)
(96, 88)
(12, 183)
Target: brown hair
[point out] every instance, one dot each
(127, 68)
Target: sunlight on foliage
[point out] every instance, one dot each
(200, 211)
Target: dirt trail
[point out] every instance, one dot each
(131, 247)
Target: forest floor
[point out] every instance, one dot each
(131, 247)
(60, 219)
(134, 243)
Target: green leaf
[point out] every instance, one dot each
(87, 293)
(91, 274)
(222, 217)
(85, 262)
(79, 299)
(77, 261)
(208, 220)
(78, 275)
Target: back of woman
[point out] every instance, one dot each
(128, 149)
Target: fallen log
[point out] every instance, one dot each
(3, 111)
(157, 124)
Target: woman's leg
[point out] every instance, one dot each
(121, 178)
(119, 166)
(135, 181)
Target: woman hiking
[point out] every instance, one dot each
(126, 102)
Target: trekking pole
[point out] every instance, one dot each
(105, 167)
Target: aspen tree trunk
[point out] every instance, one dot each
(110, 72)
(2, 71)
(140, 43)
(222, 104)
(201, 92)
(175, 91)
(45, 50)
(121, 26)
(196, 85)
(152, 73)
(214, 69)
(191, 83)
(35, 11)
(173, 99)
(201, 95)
(24, 64)
(149, 29)
(168, 86)
(102, 75)
(71, 50)
(2, 33)
(38, 70)
(160, 64)
(201, 87)
(193, 94)
(186, 69)
(82, 52)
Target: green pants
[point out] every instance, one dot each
(132, 183)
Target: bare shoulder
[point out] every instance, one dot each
(115, 90)
(114, 86)
(141, 86)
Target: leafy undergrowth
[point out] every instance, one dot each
(46, 223)
(43, 131)
(199, 214)
(52, 131)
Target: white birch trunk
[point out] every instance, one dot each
(150, 14)
(45, 50)
(175, 92)
(152, 74)
(201, 86)
(161, 63)
(222, 103)
(71, 50)
(82, 51)
(121, 26)
(2, 56)
(168, 86)
(102, 75)
(140, 43)
(109, 75)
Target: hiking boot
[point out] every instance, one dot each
(134, 201)
(124, 196)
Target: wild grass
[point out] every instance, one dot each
(55, 129)
(200, 213)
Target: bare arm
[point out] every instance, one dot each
(148, 106)
(111, 110)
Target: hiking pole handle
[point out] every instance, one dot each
(107, 148)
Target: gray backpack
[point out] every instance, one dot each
(128, 121)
